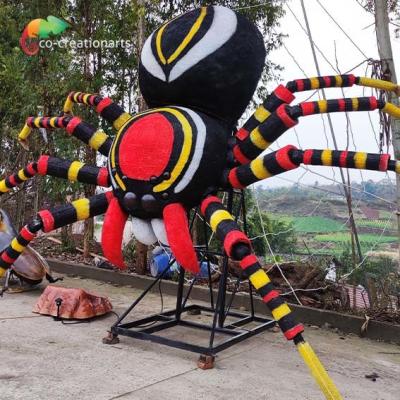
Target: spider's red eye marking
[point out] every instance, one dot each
(137, 159)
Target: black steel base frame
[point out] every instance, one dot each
(148, 328)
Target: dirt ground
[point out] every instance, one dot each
(43, 359)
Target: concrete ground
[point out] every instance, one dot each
(43, 359)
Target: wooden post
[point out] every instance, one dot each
(386, 56)
(140, 248)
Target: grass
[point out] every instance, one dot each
(367, 239)
(376, 223)
(314, 224)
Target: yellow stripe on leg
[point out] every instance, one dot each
(258, 169)
(326, 157)
(97, 140)
(3, 187)
(259, 279)
(360, 160)
(25, 132)
(120, 121)
(318, 371)
(73, 170)
(22, 176)
(314, 83)
(281, 311)
(258, 140)
(261, 114)
(323, 106)
(2, 272)
(68, 105)
(17, 246)
(82, 207)
(219, 216)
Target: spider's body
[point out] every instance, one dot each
(199, 72)
(165, 156)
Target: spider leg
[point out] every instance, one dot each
(96, 139)
(290, 157)
(104, 106)
(74, 171)
(284, 95)
(287, 116)
(237, 245)
(49, 220)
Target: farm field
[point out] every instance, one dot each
(326, 235)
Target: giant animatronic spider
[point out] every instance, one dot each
(198, 72)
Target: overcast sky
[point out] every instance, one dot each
(359, 25)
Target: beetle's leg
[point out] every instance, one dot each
(284, 95)
(290, 157)
(104, 106)
(287, 116)
(96, 139)
(74, 171)
(237, 245)
(48, 220)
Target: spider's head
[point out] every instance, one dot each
(209, 59)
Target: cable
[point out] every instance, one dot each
(337, 24)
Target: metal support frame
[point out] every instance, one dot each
(148, 328)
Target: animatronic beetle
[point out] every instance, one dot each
(30, 268)
(198, 72)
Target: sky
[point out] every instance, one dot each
(309, 133)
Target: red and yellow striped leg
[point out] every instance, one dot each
(96, 139)
(109, 110)
(323, 82)
(290, 157)
(48, 220)
(237, 245)
(287, 116)
(284, 95)
(75, 171)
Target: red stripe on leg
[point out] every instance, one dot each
(12, 180)
(308, 108)
(232, 238)
(342, 104)
(103, 177)
(207, 201)
(291, 333)
(73, 124)
(47, 219)
(239, 156)
(242, 134)
(103, 104)
(284, 94)
(42, 165)
(31, 168)
(112, 233)
(27, 234)
(273, 294)
(248, 260)
(6, 258)
(233, 179)
(283, 158)
(342, 159)
(285, 117)
(300, 85)
(307, 155)
(179, 238)
(373, 103)
(383, 162)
